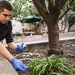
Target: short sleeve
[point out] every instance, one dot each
(9, 37)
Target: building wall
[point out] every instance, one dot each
(17, 27)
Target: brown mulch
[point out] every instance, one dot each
(68, 48)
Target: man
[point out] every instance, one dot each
(6, 33)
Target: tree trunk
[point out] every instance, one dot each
(50, 16)
(53, 35)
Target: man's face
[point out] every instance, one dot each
(5, 16)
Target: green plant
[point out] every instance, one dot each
(52, 65)
(71, 18)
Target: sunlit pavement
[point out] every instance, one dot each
(43, 38)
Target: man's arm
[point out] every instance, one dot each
(17, 48)
(17, 64)
(12, 45)
(5, 52)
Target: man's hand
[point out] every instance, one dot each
(21, 48)
(18, 65)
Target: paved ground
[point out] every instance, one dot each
(43, 38)
(6, 68)
(67, 36)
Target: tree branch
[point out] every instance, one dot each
(64, 13)
(66, 10)
(61, 3)
(71, 1)
(50, 6)
(43, 3)
(58, 4)
(40, 8)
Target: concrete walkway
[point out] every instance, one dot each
(6, 68)
(36, 39)
(67, 36)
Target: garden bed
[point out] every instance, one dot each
(35, 51)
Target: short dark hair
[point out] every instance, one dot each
(5, 5)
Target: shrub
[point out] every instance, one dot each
(52, 65)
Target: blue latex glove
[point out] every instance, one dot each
(18, 65)
(21, 48)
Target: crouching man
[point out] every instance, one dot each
(6, 33)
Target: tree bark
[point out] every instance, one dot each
(53, 35)
(50, 17)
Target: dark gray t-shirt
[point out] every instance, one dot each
(6, 32)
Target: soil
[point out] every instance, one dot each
(68, 48)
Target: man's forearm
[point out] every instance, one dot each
(12, 46)
(5, 52)
(17, 48)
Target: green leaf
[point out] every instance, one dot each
(52, 65)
